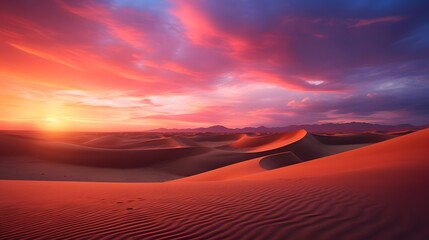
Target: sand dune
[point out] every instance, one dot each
(214, 137)
(153, 157)
(353, 138)
(245, 168)
(231, 171)
(161, 143)
(268, 142)
(303, 144)
(375, 192)
(89, 156)
(279, 160)
(107, 140)
(408, 150)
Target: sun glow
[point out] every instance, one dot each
(52, 123)
(51, 120)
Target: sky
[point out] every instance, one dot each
(131, 65)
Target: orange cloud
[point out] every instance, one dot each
(44, 55)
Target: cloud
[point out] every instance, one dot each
(377, 106)
(366, 22)
(100, 99)
(204, 115)
(43, 55)
(111, 99)
(277, 39)
(239, 63)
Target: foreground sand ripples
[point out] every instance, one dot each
(298, 209)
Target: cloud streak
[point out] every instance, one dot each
(366, 22)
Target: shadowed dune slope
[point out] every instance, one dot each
(161, 143)
(279, 160)
(89, 156)
(353, 138)
(376, 192)
(214, 137)
(107, 140)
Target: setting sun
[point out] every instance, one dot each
(53, 124)
(51, 120)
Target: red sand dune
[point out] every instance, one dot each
(279, 160)
(155, 157)
(248, 167)
(409, 150)
(353, 138)
(90, 156)
(268, 142)
(374, 192)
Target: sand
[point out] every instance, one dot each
(144, 157)
(290, 187)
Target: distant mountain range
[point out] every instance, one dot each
(315, 128)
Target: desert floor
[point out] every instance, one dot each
(294, 185)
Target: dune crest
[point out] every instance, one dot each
(266, 142)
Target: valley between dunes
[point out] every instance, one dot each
(293, 185)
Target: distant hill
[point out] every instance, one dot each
(315, 128)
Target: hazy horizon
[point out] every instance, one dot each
(211, 126)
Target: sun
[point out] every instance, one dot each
(51, 120)
(52, 123)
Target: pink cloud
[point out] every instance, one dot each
(204, 115)
(299, 104)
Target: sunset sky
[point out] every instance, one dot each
(125, 65)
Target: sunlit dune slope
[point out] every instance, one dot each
(267, 142)
(409, 151)
(244, 168)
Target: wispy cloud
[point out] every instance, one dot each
(366, 22)
(43, 55)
